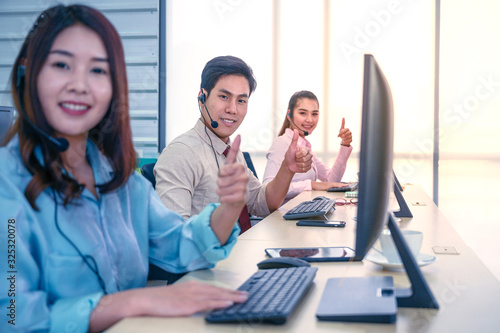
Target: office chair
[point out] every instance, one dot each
(147, 171)
(253, 219)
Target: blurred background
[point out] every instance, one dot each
(439, 56)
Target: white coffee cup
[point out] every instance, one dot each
(413, 239)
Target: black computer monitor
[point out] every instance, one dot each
(373, 298)
(6, 119)
(376, 155)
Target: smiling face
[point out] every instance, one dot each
(305, 116)
(227, 105)
(74, 84)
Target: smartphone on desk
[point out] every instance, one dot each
(313, 253)
(320, 223)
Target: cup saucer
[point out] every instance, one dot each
(379, 259)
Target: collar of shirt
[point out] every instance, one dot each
(211, 139)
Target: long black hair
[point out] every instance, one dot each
(112, 134)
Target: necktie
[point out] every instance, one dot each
(244, 215)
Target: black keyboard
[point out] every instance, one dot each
(318, 207)
(273, 295)
(350, 187)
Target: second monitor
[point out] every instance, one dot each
(374, 298)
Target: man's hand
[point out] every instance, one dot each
(233, 179)
(232, 190)
(345, 134)
(297, 159)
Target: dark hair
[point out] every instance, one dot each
(225, 65)
(112, 134)
(292, 104)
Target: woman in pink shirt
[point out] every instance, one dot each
(303, 115)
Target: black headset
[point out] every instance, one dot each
(87, 258)
(306, 133)
(202, 99)
(213, 123)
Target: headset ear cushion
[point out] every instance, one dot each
(21, 69)
(201, 98)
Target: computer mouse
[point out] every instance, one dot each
(320, 198)
(282, 262)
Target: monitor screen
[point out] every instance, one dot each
(376, 153)
(376, 182)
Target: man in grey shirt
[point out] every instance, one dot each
(186, 171)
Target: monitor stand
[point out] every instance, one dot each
(419, 295)
(404, 210)
(396, 181)
(373, 298)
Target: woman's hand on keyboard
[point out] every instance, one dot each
(187, 298)
(181, 299)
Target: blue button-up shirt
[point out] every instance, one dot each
(45, 284)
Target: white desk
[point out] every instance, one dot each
(467, 292)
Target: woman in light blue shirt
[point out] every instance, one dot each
(80, 226)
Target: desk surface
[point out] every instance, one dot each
(467, 292)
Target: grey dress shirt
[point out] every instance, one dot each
(186, 174)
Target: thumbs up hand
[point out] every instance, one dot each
(345, 135)
(233, 179)
(298, 159)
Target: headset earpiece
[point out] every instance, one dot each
(21, 69)
(289, 114)
(201, 98)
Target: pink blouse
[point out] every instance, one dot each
(302, 181)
